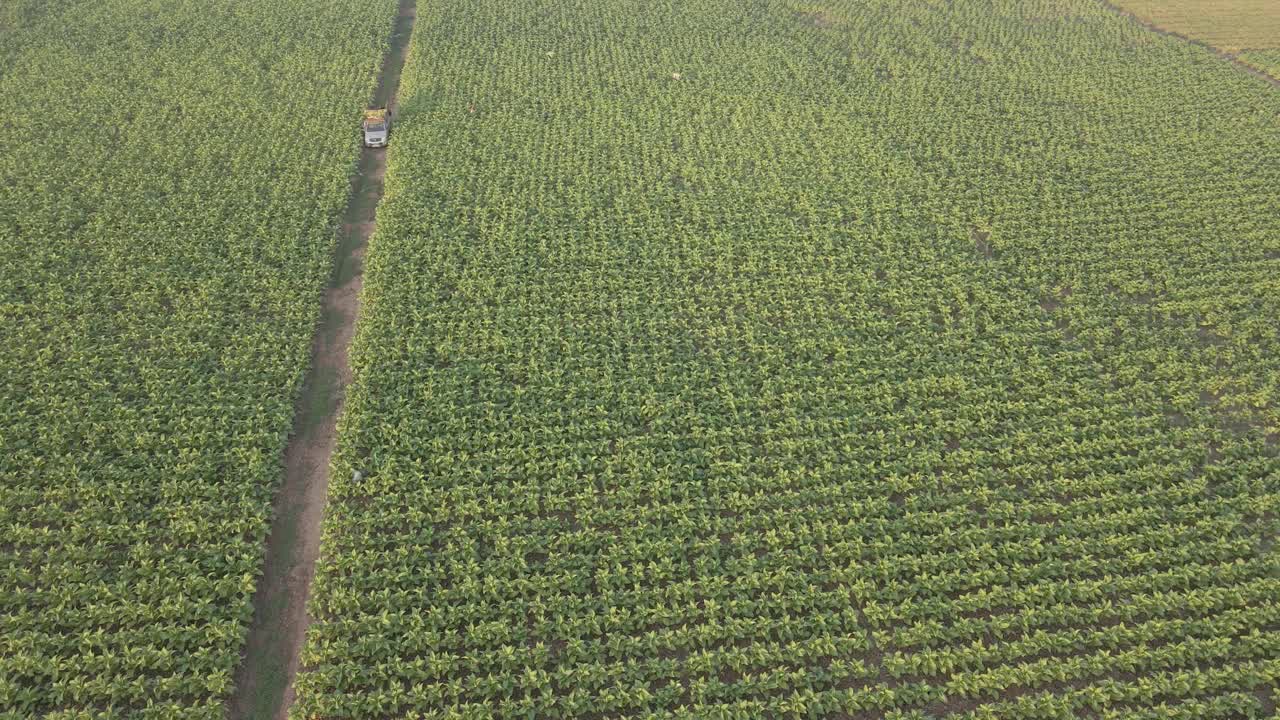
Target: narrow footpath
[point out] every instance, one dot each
(264, 680)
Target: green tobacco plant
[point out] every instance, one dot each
(808, 360)
(171, 177)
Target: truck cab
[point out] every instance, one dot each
(376, 127)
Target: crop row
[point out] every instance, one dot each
(172, 177)
(781, 359)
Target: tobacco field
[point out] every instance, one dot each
(779, 359)
(1267, 61)
(170, 178)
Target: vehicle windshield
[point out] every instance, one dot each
(375, 127)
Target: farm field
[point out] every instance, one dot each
(170, 178)
(889, 358)
(1268, 61)
(1248, 30)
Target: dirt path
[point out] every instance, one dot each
(1220, 53)
(264, 680)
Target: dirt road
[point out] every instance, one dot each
(264, 681)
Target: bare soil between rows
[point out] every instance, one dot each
(264, 682)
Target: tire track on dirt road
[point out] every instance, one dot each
(264, 680)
